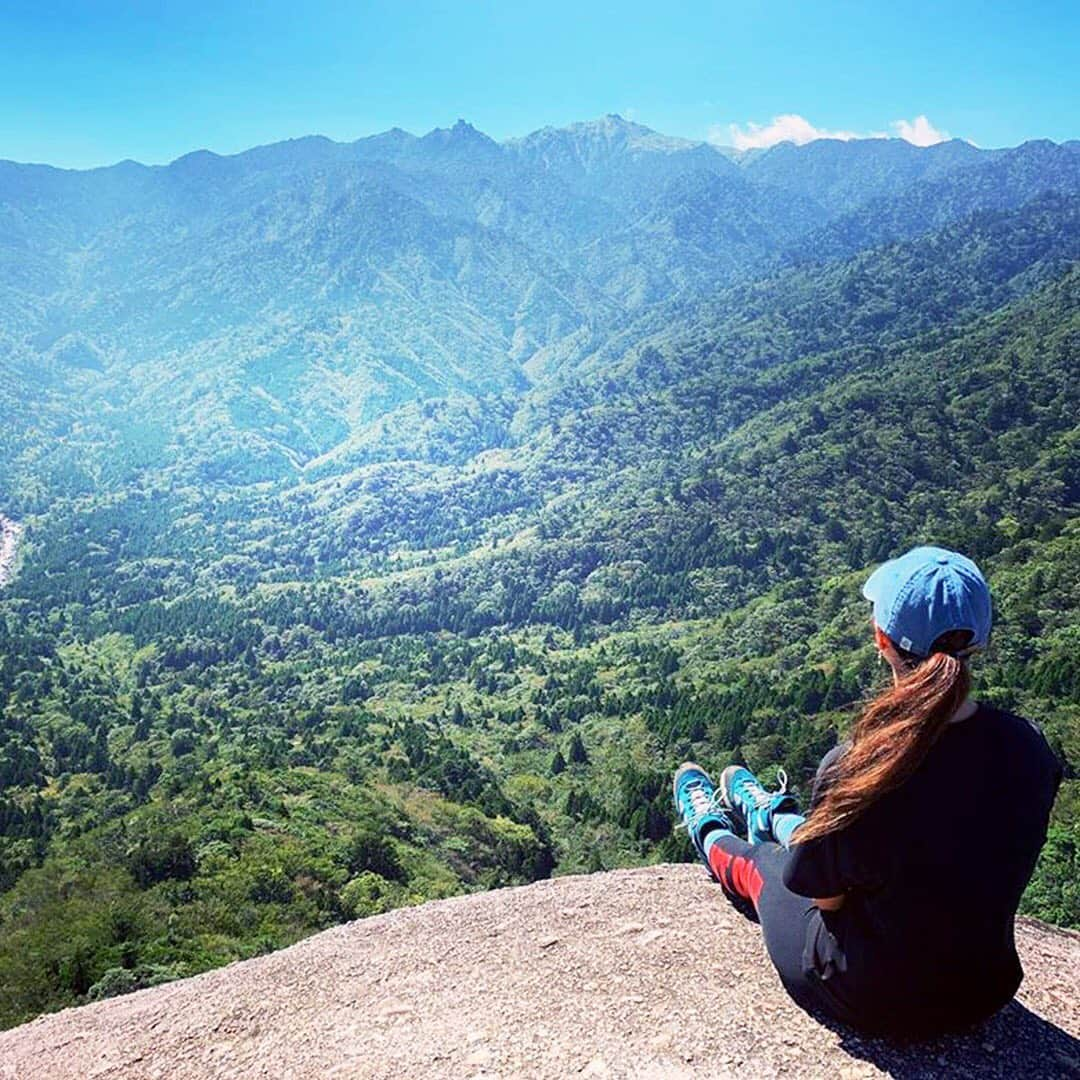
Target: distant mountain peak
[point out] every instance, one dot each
(392, 141)
(615, 122)
(611, 131)
(196, 163)
(194, 157)
(461, 134)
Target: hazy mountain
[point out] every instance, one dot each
(296, 292)
(996, 180)
(840, 175)
(616, 160)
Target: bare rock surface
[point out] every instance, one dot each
(9, 545)
(634, 973)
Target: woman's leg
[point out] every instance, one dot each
(731, 861)
(783, 825)
(754, 874)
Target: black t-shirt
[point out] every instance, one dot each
(933, 873)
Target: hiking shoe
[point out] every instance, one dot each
(697, 802)
(741, 792)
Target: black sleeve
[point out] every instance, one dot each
(1057, 769)
(829, 865)
(830, 758)
(836, 862)
(1053, 768)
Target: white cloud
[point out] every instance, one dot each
(797, 129)
(787, 128)
(919, 131)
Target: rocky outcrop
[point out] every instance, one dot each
(636, 973)
(9, 543)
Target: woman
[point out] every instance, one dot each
(891, 906)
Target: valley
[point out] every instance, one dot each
(404, 510)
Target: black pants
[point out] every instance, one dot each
(792, 925)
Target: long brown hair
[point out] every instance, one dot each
(893, 734)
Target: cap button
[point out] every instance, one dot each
(943, 560)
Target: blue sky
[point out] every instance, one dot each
(89, 83)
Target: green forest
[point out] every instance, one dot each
(268, 664)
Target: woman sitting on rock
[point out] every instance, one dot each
(891, 907)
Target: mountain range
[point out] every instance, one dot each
(394, 515)
(300, 292)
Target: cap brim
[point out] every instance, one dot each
(872, 589)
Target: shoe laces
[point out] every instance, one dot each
(761, 798)
(701, 804)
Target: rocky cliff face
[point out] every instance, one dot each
(9, 542)
(643, 973)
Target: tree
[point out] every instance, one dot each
(370, 851)
(161, 857)
(577, 753)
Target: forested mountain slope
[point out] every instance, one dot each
(973, 265)
(398, 514)
(1006, 179)
(281, 301)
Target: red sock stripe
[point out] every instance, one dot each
(736, 873)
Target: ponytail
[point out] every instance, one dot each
(893, 735)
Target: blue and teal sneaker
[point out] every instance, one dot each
(741, 792)
(697, 802)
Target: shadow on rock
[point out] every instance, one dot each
(1015, 1042)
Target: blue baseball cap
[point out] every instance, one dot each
(927, 592)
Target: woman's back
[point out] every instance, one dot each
(933, 873)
